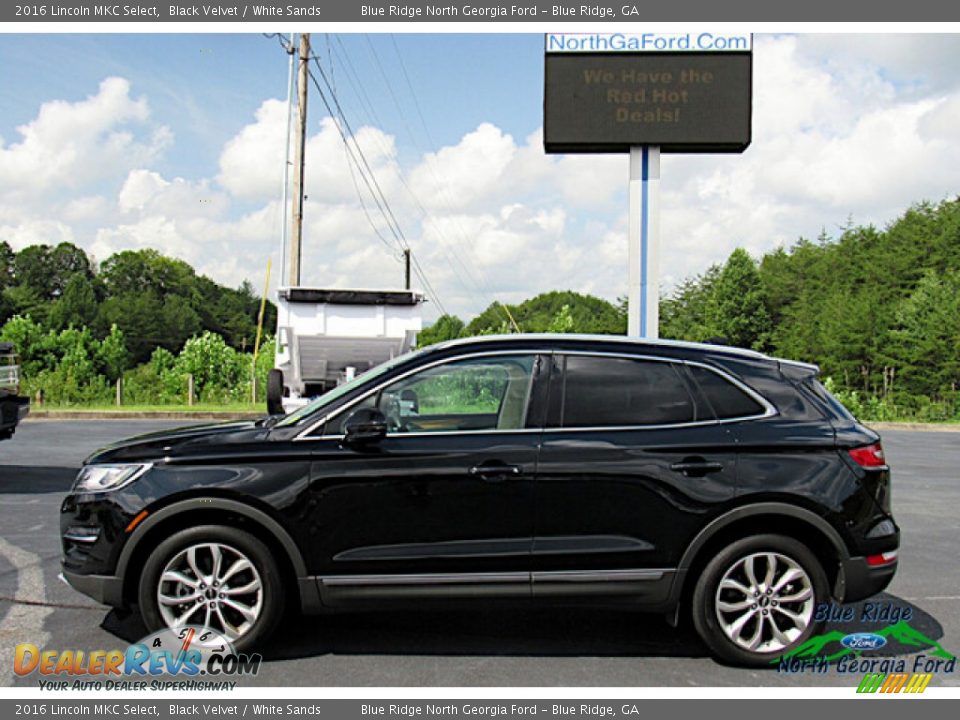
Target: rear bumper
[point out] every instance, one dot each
(859, 580)
(105, 589)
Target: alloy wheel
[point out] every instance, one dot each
(764, 602)
(211, 584)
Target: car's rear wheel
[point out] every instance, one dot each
(215, 577)
(756, 599)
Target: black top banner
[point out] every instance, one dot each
(553, 11)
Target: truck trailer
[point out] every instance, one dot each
(328, 336)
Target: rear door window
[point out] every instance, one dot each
(599, 391)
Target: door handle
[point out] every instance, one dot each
(696, 467)
(495, 472)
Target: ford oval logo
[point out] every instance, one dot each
(864, 641)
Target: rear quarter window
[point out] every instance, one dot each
(727, 400)
(834, 406)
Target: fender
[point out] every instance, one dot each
(767, 509)
(258, 516)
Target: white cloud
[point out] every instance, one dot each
(70, 145)
(31, 232)
(251, 164)
(467, 173)
(845, 127)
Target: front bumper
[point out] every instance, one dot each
(105, 589)
(859, 580)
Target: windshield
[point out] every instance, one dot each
(341, 390)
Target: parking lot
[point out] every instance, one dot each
(489, 647)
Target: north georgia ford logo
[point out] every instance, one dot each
(864, 641)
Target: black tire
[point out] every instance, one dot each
(275, 392)
(270, 602)
(717, 627)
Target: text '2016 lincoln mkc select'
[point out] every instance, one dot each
(691, 480)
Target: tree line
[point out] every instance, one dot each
(79, 326)
(877, 309)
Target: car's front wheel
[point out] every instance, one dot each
(756, 599)
(215, 577)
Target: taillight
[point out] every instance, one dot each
(869, 456)
(886, 558)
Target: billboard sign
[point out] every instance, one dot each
(683, 92)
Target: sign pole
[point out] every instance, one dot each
(643, 299)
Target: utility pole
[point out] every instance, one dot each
(406, 265)
(296, 234)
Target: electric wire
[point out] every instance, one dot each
(370, 180)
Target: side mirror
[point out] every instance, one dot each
(366, 425)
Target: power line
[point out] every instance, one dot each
(369, 177)
(463, 267)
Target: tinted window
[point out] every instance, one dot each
(726, 399)
(488, 393)
(831, 402)
(606, 392)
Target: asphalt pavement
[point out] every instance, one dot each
(524, 646)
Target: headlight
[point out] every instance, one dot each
(98, 478)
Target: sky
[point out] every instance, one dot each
(176, 142)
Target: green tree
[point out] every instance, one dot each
(737, 309)
(137, 271)
(47, 270)
(562, 322)
(213, 364)
(26, 301)
(926, 340)
(7, 262)
(77, 306)
(590, 315)
(112, 355)
(447, 327)
(684, 313)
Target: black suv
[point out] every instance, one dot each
(666, 476)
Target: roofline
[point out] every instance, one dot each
(620, 339)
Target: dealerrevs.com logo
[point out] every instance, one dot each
(188, 658)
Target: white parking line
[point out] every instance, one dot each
(22, 623)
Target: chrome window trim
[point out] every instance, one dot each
(609, 339)
(769, 409)
(305, 435)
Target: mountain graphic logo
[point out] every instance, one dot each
(902, 633)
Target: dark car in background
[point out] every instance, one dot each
(13, 406)
(697, 481)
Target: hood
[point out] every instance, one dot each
(182, 442)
